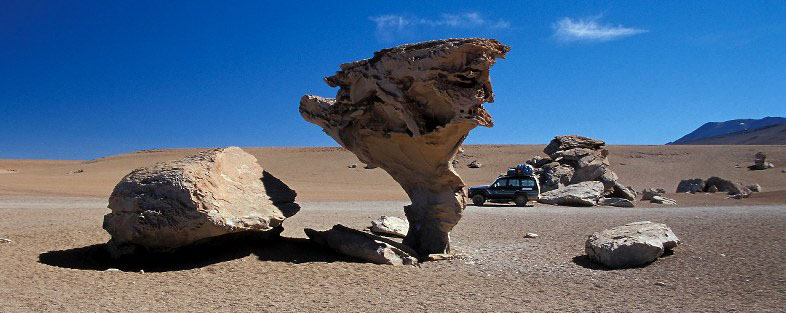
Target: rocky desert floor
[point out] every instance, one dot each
(731, 258)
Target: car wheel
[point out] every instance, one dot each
(478, 200)
(520, 200)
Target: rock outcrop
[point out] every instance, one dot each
(633, 244)
(691, 185)
(174, 204)
(581, 194)
(760, 162)
(364, 246)
(407, 110)
(728, 186)
(390, 226)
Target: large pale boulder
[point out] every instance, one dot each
(364, 246)
(581, 194)
(174, 204)
(407, 110)
(390, 226)
(617, 202)
(561, 143)
(633, 244)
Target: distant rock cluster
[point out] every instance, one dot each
(760, 162)
(716, 184)
(577, 172)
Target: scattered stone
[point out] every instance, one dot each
(352, 166)
(663, 200)
(581, 194)
(616, 202)
(737, 166)
(390, 226)
(649, 193)
(624, 192)
(474, 164)
(173, 204)
(633, 244)
(5, 240)
(691, 185)
(112, 270)
(712, 189)
(364, 246)
(370, 166)
(754, 188)
(531, 235)
(660, 283)
(77, 171)
(424, 98)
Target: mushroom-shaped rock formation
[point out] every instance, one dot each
(407, 110)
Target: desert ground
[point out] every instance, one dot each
(731, 258)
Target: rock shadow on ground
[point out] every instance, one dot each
(222, 249)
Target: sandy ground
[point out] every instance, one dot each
(732, 258)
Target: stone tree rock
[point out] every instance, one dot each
(760, 162)
(407, 110)
(575, 159)
(581, 194)
(174, 204)
(633, 244)
(691, 185)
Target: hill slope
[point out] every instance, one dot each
(767, 135)
(713, 129)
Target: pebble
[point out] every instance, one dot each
(531, 235)
(660, 283)
(111, 270)
(5, 240)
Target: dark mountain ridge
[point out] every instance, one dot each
(738, 127)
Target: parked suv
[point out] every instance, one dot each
(517, 188)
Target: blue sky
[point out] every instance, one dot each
(85, 79)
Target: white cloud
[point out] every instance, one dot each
(388, 26)
(588, 29)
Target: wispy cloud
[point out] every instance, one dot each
(589, 29)
(393, 25)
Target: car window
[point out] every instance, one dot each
(514, 182)
(501, 183)
(527, 182)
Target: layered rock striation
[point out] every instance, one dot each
(407, 110)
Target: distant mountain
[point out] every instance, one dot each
(716, 129)
(767, 135)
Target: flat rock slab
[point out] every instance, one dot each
(616, 202)
(364, 246)
(631, 245)
(178, 203)
(390, 226)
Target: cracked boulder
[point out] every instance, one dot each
(178, 203)
(407, 110)
(581, 194)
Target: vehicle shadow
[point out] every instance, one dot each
(501, 205)
(222, 249)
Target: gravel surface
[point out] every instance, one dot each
(731, 260)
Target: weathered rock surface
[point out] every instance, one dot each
(407, 110)
(663, 200)
(474, 164)
(617, 202)
(624, 192)
(650, 193)
(5, 240)
(712, 189)
(390, 226)
(691, 185)
(754, 188)
(581, 194)
(631, 245)
(364, 246)
(174, 204)
(727, 186)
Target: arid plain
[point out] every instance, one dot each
(731, 258)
